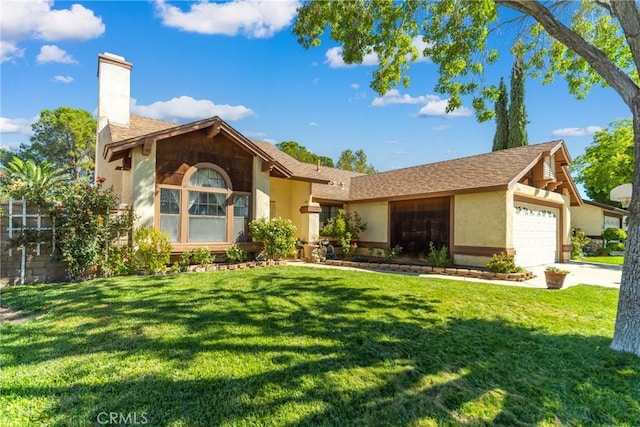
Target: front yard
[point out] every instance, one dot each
(292, 346)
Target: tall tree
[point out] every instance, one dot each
(356, 162)
(517, 112)
(501, 138)
(607, 162)
(587, 43)
(65, 137)
(301, 153)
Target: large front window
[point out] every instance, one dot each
(205, 209)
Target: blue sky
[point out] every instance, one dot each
(240, 60)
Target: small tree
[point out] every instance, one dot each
(278, 236)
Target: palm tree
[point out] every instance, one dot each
(37, 183)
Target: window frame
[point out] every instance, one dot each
(185, 188)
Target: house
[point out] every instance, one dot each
(202, 183)
(593, 218)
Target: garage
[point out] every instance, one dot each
(535, 235)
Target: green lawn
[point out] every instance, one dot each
(615, 260)
(294, 346)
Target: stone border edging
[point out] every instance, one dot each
(236, 266)
(424, 269)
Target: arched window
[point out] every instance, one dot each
(204, 209)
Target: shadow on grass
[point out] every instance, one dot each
(333, 354)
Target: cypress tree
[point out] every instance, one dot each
(501, 137)
(517, 113)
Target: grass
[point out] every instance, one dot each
(615, 260)
(295, 346)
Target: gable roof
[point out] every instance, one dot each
(498, 170)
(142, 131)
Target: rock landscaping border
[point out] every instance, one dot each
(423, 269)
(235, 266)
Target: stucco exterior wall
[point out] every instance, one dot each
(480, 218)
(289, 196)
(376, 215)
(261, 190)
(587, 218)
(144, 177)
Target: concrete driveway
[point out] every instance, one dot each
(587, 273)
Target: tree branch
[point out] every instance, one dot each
(628, 15)
(598, 60)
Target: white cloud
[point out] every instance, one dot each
(433, 105)
(187, 108)
(589, 130)
(36, 20)
(313, 124)
(394, 142)
(355, 86)
(335, 60)
(19, 126)
(394, 97)
(437, 108)
(9, 51)
(52, 53)
(63, 79)
(253, 18)
(441, 128)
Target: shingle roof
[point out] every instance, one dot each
(311, 172)
(138, 126)
(491, 170)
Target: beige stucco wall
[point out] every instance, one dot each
(587, 218)
(480, 218)
(376, 216)
(143, 174)
(261, 190)
(289, 196)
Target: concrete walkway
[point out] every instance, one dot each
(580, 273)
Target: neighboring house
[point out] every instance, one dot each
(202, 182)
(593, 218)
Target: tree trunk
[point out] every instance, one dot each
(626, 336)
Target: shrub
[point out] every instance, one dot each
(345, 225)
(389, 253)
(349, 248)
(579, 241)
(277, 235)
(84, 230)
(438, 257)
(603, 251)
(202, 256)
(614, 234)
(557, 270)
(151, 250)
(503, 263)
(119, 262)
(236, 254)
(185, 260)
(615, 246)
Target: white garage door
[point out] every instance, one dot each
(535, 235)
